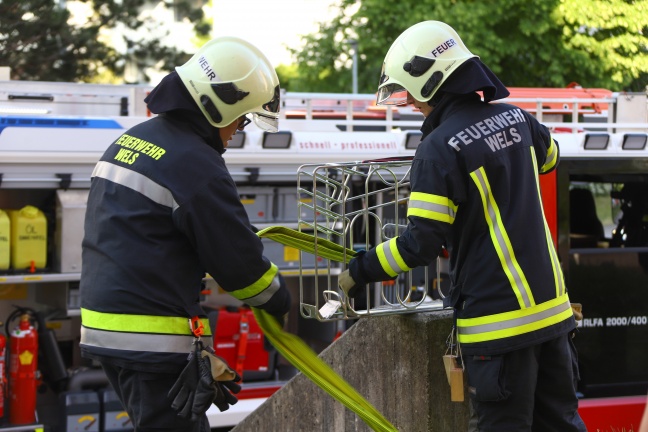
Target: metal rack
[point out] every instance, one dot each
(357, 205)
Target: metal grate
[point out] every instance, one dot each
(359, 205)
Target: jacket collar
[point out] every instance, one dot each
(171, 99)
(449, 104)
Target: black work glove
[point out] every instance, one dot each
(205, 380)
(217, 373)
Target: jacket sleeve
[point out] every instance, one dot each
(431, 213)
(546, 148)
(217, 225)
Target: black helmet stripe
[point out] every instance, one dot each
(211, 108)
(418, 65)
(431, 83)
(228, 92)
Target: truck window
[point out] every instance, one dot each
(607, 272)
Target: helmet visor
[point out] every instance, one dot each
(266, 122)
(273, 104)
(391, 94)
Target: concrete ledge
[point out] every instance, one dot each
(395, 362)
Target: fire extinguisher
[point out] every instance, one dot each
(23, 373)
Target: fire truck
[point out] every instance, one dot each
(596, 205)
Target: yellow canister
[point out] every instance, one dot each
(5, 235)
(28, 238)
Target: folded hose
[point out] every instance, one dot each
(308, 243)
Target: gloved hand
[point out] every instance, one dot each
(205, 380)
(348, 283)
(577, 309)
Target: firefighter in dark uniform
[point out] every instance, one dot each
(475, 190)
(162, 212)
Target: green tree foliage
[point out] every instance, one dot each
(527, 43)
(38, 42)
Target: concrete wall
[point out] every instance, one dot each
(394, 362)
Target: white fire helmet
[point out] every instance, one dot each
(229, 77)
(419, 61)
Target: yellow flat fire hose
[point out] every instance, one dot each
(308, 243)
(303, 358)
(301, 355)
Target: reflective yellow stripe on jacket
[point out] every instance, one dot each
(139, 323)
(514, 323)
(552, 157)
(501, 241)
(423, 205)
(430, 206)
(555, 263)
(139, 332)
(136, 181)
(390, 259)
(260, 291)
(530, 316)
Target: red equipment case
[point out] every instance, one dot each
(238, 339)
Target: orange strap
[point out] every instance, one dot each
(196, 326)
(243, 339)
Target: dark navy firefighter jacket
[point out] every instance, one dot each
(475, 190)
(162, 211)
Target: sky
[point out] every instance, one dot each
(270, 24)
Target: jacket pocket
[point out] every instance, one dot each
(486, 379)
(574, 360)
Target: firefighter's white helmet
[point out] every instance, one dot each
(229, 77)
(419, 61)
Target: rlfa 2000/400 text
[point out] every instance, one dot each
(615, 321)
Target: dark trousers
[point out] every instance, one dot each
(144, 396)
(531, 389)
